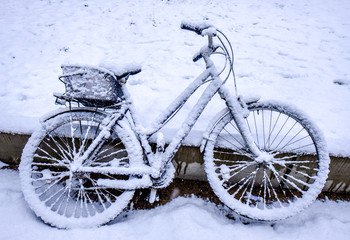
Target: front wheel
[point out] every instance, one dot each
(286, 178)
(61, 196)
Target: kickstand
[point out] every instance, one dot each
(152, 196)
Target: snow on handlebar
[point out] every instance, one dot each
(201, 28)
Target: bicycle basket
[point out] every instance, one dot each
(90, 85)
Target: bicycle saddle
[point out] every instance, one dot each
(121, 70)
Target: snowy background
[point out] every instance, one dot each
(294, 51)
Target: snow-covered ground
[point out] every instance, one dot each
(289, 51)
(293, 51)
(183, 218)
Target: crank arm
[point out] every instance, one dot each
(130, 184)
(129, 171)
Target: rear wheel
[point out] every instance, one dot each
(65, 198)
(285, 179)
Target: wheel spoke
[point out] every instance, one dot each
(66, 153)
(242, 168)
(256, 130)
(50, 186)
(252, 185)
(272, 189)
(241, 151)
(301, 147)
(112, 154)
(59, 201)
(110, 148)
(61, 152)
(285, 135)
(48, 157)
(233, 153)
(246, 180)
(84, 140)
(273, 129)
(278, 177)
(291, 142)
(230, 161)
(296, 171)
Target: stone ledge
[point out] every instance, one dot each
(188, 163)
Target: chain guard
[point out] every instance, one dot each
(166, 178)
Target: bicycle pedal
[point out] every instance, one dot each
(160, 142)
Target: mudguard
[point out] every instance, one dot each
(60, 111)
(220, 115)
(211, 126)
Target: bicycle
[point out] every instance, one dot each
(264, 160)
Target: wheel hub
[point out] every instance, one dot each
(264, 157)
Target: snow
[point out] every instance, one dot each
(183, 218)
(296, 52)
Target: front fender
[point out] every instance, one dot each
(211, 126)
(220, 115)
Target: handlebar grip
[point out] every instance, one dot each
(195, 27)
(197, 57)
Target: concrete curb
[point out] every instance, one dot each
(188, 163)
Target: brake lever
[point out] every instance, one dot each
(198, 55)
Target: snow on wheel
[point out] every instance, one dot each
(287, 177)
(60, 196)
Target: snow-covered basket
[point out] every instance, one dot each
(93, 86)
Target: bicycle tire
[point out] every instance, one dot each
(288, 179)
(57, 195)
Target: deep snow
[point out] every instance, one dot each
(183, 218)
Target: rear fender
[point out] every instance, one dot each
(60, 111)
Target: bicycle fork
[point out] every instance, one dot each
(239, 115)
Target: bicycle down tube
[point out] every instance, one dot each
(215, 85)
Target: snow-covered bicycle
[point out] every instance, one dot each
(263, 159)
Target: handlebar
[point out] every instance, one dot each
(206, 29)
(195, 27)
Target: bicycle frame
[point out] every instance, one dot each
(216, 85)
(156, 163)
